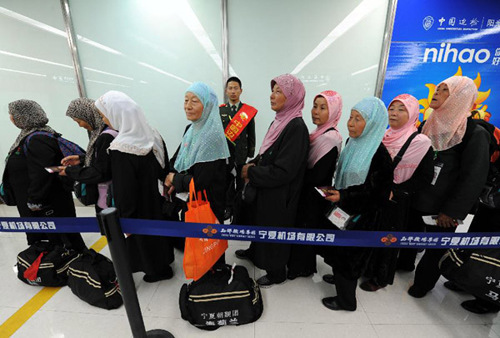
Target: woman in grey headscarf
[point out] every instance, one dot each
(35, 191)
(95, 168)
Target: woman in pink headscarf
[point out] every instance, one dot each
(461, 163)
(325, 145)
(411, 155)
(276, 176)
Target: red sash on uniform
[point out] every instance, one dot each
(239, 122)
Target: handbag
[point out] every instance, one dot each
(223, 296)
(200, 254)
(92, 278)
(87, 194)
(476, 271)
(7, 196)
(45, 264)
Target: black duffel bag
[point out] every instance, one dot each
(475, 271)
(92, 278)
(45, 264)
(223, 296)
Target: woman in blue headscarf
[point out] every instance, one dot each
(203, 151)
(362, 184)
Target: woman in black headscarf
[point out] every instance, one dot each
(36, 192)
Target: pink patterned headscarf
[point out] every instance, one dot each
(295, 93)
(446, 125)
(322, 141)
(394, 139)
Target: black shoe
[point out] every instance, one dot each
(156, 278)
(476, 307)
(453, 286)
(293, 275)
(243, 254)
(370, 285)
(330, 279)
(332, 304)
(266, 282)
(416, 292)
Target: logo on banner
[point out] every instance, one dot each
(428, 22)
(448, 54)
(209, 231)
(389, 239)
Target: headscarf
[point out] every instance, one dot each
(29, 117)
(321, 140)
(295, 93)
(204, 141)
(356, 158)
(135, 136)
(394, 139)
(447, 124)
(85, 109)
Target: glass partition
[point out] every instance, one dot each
(35, 63)
(152, 50)
(327, 44)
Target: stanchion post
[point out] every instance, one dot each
(110, 226)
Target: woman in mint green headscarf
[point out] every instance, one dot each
(362, 185)
(203, 151)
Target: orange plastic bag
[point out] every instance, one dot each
(200, 254)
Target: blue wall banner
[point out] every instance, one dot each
(433, 40)
(382, 239)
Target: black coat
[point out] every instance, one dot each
(26, 178)
(313, 207)
(277, 178)
(136, 195)
(99, 169)
(364, 200)
(208, 176)
(461, 179)
(244, 146)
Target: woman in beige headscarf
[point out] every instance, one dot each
(461, 161)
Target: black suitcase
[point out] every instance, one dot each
(223, 296)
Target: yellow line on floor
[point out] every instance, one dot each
(21, 316)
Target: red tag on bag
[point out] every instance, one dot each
(32, 272)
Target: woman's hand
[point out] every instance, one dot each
(71, 160)
(445, 221)
(62, 171)
(333, 196)
(244, 171)
(169, 183)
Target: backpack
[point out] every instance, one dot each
(67, 147)
(92, 278)
(490, 195)
(45, 264)
(223, 296)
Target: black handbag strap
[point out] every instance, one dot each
(403, 149)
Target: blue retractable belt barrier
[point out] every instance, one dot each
(383, 239)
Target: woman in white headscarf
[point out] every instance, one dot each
(139, 161)
(461, 163)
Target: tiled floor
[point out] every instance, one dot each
(290, 310)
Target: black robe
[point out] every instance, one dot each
(277, 178)
(364, 200)
(26, 178)
(99, 170)
(136, 195)
(312, 212)
(208, 176)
